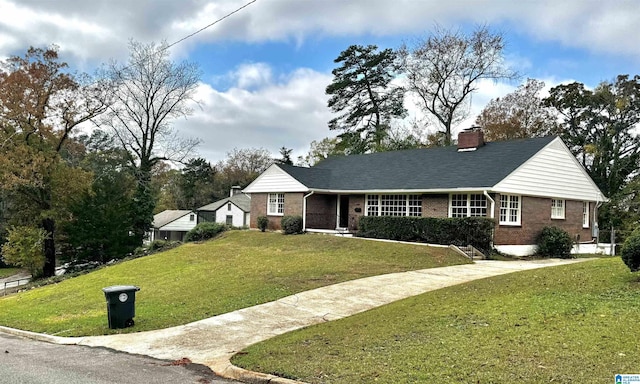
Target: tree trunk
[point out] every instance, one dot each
(144, 204)
(49, 269)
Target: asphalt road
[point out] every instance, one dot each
(28, 361)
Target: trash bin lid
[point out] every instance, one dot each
(120, 288)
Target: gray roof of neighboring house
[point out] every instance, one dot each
(240, 200)
(165, 217)
(420, 169)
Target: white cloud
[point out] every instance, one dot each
(291, 112)
(251, 76)
(99, 29)
(265, 109)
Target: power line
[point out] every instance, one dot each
(210, 25)
(162, 49)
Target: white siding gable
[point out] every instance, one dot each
(181, 224)
(274, 179)
(237, 214)
(552, 172)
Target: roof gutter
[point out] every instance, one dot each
(304, 210)
(400, 191)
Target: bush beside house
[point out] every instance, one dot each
(263, 222)
(291, 225)
(554, 242)
(474, 231)
(631, 251)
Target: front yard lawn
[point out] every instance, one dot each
(196, 281)
(576, 323)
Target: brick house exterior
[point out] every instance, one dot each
(524, 185)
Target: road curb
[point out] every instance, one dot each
(41, 336)
(225, 369)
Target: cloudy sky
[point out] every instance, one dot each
(266, 67)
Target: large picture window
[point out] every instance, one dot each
(394, 205)
(510, 208)
(467, 205)
(275, 204)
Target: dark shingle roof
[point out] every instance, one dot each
(420, 169)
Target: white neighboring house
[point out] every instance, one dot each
(172, 225)
(233, 210)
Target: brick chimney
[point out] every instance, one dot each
(235, 190)
(470, 139)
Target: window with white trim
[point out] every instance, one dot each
(557, 209)
(415, 205)
(467, 205)
(275, 204)
(585, 214)
(192, 217)
(510, 209)
(394, 205)
(373, 205)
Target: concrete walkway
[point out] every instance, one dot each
(214, 341)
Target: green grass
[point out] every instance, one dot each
(196, 281)
(576, 323)
(6, 272)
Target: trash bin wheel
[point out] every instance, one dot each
(129, 323)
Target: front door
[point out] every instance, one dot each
(343, 212)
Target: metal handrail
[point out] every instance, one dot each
(17, 285)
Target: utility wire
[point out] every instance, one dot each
(210, 25)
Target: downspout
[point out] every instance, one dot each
(595, 212)
(493, 208)
(493, 203)
(304, 211)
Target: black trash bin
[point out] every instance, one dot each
(121, 305)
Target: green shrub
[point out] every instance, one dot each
(554, 242)
(291, 224)
(476, 231)
(24, 249)
(631, 251)
(205, 231)
(157, 244)
(263, 222)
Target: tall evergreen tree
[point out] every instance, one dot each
(361, 91)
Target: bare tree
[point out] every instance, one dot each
(151, 91)
(443, 70)
(517, 115)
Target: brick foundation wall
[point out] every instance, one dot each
(535, 215)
